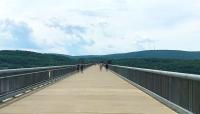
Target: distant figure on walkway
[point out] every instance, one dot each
(81, 68)
(106, 65)
(101, 66)
(78, 67)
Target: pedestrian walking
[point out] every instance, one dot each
(106, 65)
(82, 68)
(101, 66)
(78, 68)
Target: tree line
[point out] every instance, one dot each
(26, 59)
(175, 65)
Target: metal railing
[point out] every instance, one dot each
(17, 81)
(179, 91)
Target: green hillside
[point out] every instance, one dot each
(175, 65)
(169, 54)
(168, 60)
(165, 54)
(177, 61)
(25, 59)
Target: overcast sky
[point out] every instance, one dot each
(80, 27)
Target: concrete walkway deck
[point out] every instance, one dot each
(92, 92)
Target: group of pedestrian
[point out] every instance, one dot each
(80, 67)
(101, 65)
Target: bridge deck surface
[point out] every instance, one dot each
(93, 92)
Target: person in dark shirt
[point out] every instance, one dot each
(106, 65)
(78, 67)
(81, 68)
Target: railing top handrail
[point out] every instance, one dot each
(34, 69)
(38, 68)
(24, 71)
(166, 73)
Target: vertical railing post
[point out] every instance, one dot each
(49, 74)
(190, 94)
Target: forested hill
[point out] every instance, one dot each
(161, 54)
(178, 61)
(167, 54)
(25, 59)
(168, 60)
(175, 65)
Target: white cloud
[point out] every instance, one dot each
(15, 35)
(104, 26)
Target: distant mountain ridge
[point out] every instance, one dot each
(25, 59)
(21, 59)
(169, 60)
(165, 54)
